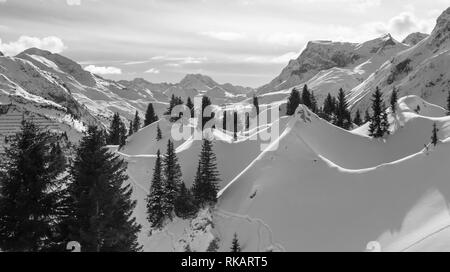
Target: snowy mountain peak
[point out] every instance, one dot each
(414, 38)
(198, 81)
(36, 51)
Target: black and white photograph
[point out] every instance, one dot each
(224, 126)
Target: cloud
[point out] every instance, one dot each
(178, 61)
(72, 2)
(224, 36)
(103, 70)
(402, 25)
(284, 39)
(52, 44)
(152, 71)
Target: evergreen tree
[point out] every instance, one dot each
(256, 104)
(114, 137)
(190, 105)
(123, 134)
(357, 120)
(130, 129)
(158, 133)
(99, 206)
(328, 107)
(224, 121)
(434, 137)
(136, 122)
(155, 205)
(448, 103)
(306, 97)
(172, 179)
(314, 103)
(393, 102)
(187, 248)
(206, 182)
(379, 125)
(206, 102)
(294, 101)
(235, 128)
(31, 181)
(174, 101)
(342, 114)
(150, 116)
(367, 117)
(235, 246)
(185, 206)
(213, 246)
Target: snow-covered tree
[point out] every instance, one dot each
(235, 246)
(172, 179)
(155, 205)
(158, 133)
(205, 186)
(379, 125)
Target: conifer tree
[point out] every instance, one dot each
(206, 102)
(213, 246)
(357, 120)
(158, 133)
(224, 121)
(306, 97)
(155, 205)
(172, 180)
(31, 181)
(235, 124)
(206, 182)
(123, 134)
(235, 246)
(448, 103)
(434, 137)
(379, 125)
(136, 122)
(99, 206)
(256, 104)
(328, 107)
(185, 206)
(343, 116)
(367, 117)
(114, 137)
(294, 101)
(150, 116)
(314, 107)
(130, 129)
(393, 101)
(174, 101)
(190, 105)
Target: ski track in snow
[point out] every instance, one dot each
(260, 222)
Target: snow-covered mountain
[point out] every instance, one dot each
(414, 38)
(422, 70)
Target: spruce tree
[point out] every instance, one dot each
(31, 190)
(174, 101)
(342, 114)
(306, 97)
(224, 121)
(206, 102)
(379, 125)
(150, 116)
(357, 120)
(434, 137)
(123, 134)
(256, 104)
(448, 103)
(158, 133)
(185, 206)
(136, 122)
(206, 182)
(367, 117)
(235, 246)
(328, 107)
(213, 246)
(130, 129)
(190, 105)
(99, 206)
(294, 101)
(155, 205)
(235, 125)
(114, 137)
(172, 178)
(314, 108)
(393, 101)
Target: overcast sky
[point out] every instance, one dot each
(244, 42)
